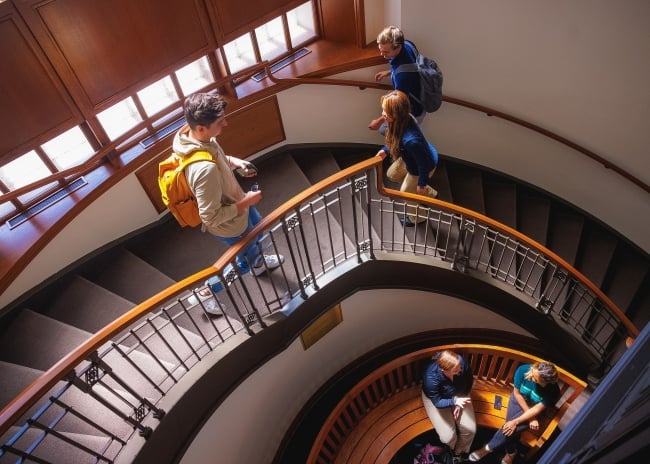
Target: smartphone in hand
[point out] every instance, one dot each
(248, 170)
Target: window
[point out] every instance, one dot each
(195, 76)
(68, 149)
(240, 53)
(119, 118)
(23, 170)
(301, 24)
(155, 109)
(270, 38)
(158, 96)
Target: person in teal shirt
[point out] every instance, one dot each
(535, 389)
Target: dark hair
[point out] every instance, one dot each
(202, 109)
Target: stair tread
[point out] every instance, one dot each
(125, 274)
(15, 378)
(38, 341)
(501, 202)
(86, 305)
(467, 187)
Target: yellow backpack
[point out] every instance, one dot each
(176, 194)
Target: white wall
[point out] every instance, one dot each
(577, 68)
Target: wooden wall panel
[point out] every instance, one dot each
(339, 20)
(231, 17)
(32, 99)
(250, 129)
(108, 46)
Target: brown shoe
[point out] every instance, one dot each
(479, 454)
(509, 458)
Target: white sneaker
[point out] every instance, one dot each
(270, 262)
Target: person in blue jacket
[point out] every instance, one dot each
(446, 385)
(407, 145)
(535, 390)
(398, 51)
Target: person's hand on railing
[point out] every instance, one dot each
(382, 74)
(375, 124)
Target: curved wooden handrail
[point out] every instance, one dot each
(14, 410)
(513, 233)
(19, 405)
(483, 109)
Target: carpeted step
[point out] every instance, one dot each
(565, 233)
(56, 449)
(596, 252)
(15, 378)
(38, 341)
(86, 305)
(466, 187)
(127, 275)
(533, 213)
(174, 250)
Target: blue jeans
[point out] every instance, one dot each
(253, 252)
(499, 439)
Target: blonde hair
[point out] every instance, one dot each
(391, 35)
(545, 371)
(397, 107)
(448, 360)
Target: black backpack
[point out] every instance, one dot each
(430, 80)
(431, 454)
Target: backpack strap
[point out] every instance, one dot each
(199, 155)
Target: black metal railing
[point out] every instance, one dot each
(112, 386)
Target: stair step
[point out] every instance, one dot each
(628, 272)
(176, 251)
(466, 187)
(38, 341)
(597, 249)
(15, 378)
(86, 305)
(279, 178)
(316, 164)
(52, 446)
(501, 201)
(565, 232)
(127, 275)
(440, 181)
(533, 214)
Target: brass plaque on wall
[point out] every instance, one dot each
(321, 326)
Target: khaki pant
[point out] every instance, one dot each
(458, 435)
(410, 185)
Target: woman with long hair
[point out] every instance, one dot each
(409, 150)
(446, 385)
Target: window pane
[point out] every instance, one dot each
(23, 170)
(270, 39)
(119, 118)
(239, 53)
(301, 24)
(195, 76)
(68, 149)
(157, 96)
